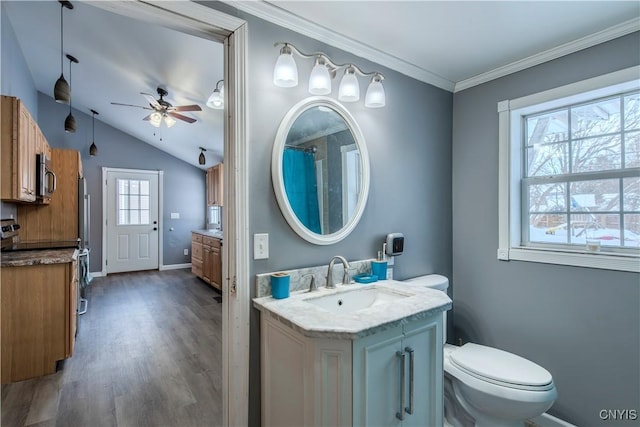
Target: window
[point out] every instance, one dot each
(133, 201)
(570, 174)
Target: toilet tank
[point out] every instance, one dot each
(439, 283)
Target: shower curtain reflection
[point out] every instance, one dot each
(299, 174)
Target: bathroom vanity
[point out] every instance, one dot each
(357, 355)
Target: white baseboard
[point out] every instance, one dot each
(98, 273)
(175, 266)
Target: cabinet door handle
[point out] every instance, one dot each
(401, 357)
(409, 410)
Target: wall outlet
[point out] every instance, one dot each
(175, 215)
(186, 251)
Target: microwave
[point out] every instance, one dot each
(45, 178)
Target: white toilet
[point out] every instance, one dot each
(485, 386)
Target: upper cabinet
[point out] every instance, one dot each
(22, 139)
(215, 186)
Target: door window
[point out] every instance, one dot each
(133, 201)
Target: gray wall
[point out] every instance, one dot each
(184, 185)
(581, 324)
(409, 144)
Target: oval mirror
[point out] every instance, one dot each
(320, 170)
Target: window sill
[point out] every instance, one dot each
(570, 258)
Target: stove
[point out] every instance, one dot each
(9, 232)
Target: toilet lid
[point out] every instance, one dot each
(500, 366)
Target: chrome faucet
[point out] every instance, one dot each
(345, 278)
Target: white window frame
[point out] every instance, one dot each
(510, 113)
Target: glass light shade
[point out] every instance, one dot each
(155, 119)
(70, 123)
(320, 80)
(93, 149)
(169, 121)
(215, 101)
(61, 90)
(285, 73)
(349, 89)
(375, 97)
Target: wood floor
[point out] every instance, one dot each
(148, 353)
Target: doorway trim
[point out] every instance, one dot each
(199, 20)
(105, 204)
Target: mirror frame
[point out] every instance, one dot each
(278, 179)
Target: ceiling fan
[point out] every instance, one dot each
(162, 109)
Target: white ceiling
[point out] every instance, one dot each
(450, 44)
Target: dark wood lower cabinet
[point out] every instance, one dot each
(206, 259)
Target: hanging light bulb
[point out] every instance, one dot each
(61, 90)
(349, 90)
(155, 119)
(70, 121)
(319, 79)
(216, 99)
(375, 97)
(201, 159)
(169, 121)
(285, 73)
(93, 149)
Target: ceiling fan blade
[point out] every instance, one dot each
(193, 107)
(131, 105)
(151, 99)
(181, 117)
(147, 117)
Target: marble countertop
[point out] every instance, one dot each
(316, 322)
(211, 233)
(38, 257)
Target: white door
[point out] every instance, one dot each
(132, 221)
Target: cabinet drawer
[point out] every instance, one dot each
(196, 267)
(195, 237)
(196, 250)
(211, 241)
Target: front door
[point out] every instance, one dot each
(132, 221)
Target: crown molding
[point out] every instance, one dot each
(283, 18)
(611, 33)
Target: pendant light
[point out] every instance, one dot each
(70, 121)
(93, 149)
(201, 159)
(61, 90)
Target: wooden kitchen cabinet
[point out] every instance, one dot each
(21, 139)
(215, 186)
(58, 220)
(39, 304)
(206, 259)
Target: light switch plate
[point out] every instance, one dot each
(175, 215)
(260, 246)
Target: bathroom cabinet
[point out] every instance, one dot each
(320, 381)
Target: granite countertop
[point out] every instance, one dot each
(38, 257)
(211, 233)
(316, 322)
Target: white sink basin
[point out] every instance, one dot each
(356, 300)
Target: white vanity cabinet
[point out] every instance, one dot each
(397, 376)
(323, 381)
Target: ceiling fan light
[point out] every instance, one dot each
(155, 119)
(319, 79)
(285, 73)
(70, 123)
(349, 90)
(169, 121)
(61, 90)
(375, 97)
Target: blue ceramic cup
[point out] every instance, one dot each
(280, 285)
(379, 268)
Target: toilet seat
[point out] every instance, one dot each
(500, 368)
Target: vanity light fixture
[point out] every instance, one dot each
(285, 74)
(216, 99)
(61, 90)
(93, 149)
(201, 159)
(70, 121)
